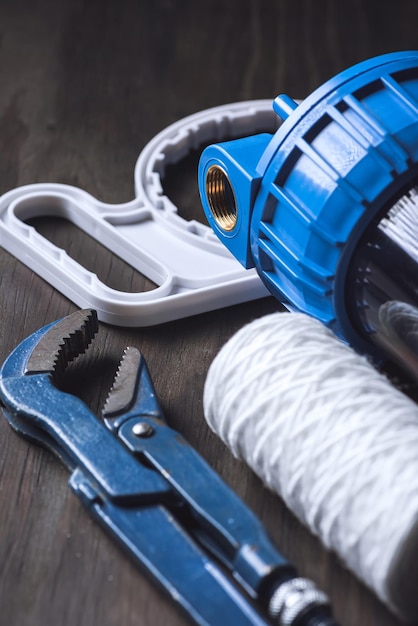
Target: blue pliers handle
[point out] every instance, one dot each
(150, 489)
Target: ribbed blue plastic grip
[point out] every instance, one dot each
(339, 160)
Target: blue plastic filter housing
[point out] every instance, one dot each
(326, 209)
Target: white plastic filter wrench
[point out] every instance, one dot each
(193, 271)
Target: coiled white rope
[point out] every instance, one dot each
(326, 431)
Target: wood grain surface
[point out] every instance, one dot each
(84, 85)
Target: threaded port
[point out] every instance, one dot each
(221, 198)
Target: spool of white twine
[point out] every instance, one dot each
(322, 428)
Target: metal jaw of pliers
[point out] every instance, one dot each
(151, 490)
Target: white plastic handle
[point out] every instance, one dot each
(193, 271)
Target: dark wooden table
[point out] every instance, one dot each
(84, 85)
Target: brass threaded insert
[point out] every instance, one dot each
(221, 198)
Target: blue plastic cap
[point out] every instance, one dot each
(338, 160)
(283, 106)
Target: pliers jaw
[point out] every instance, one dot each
(62, 342)
(51, 348)
(29, 376)
(132, 394)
